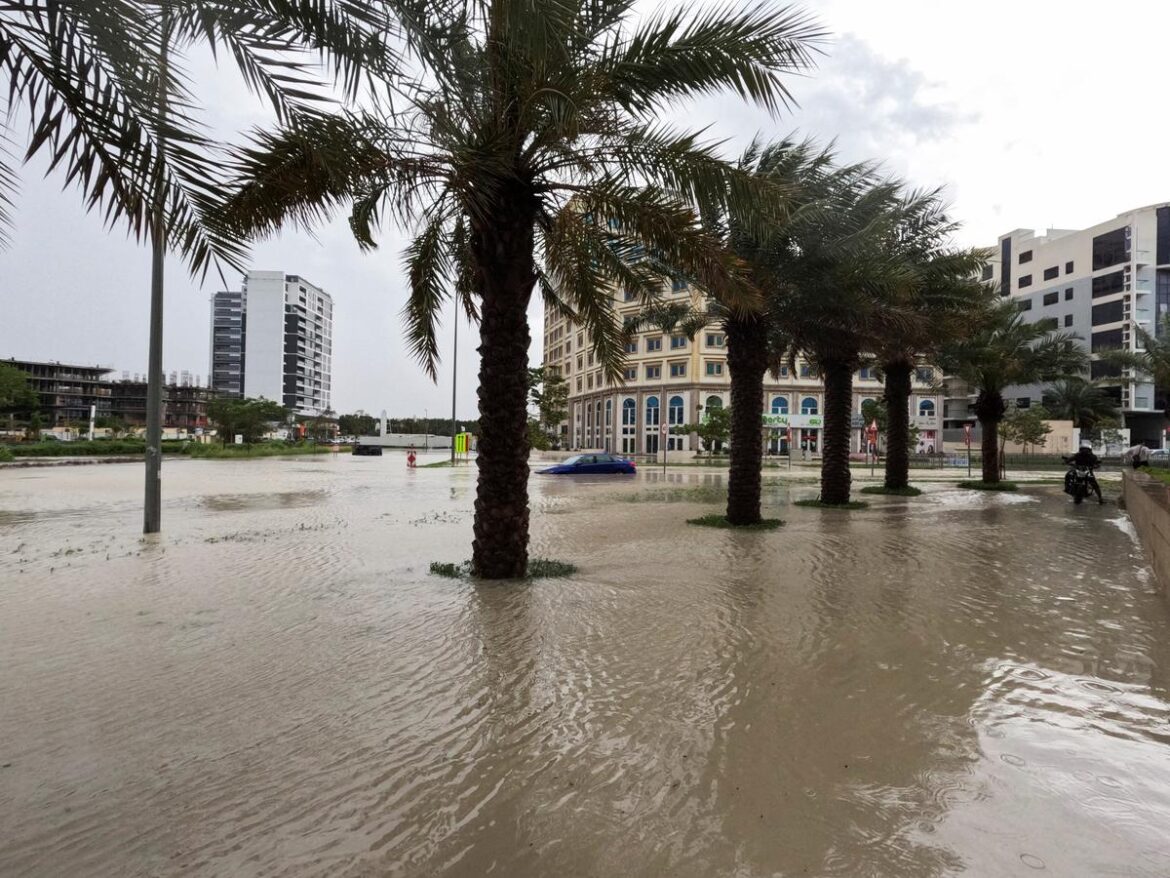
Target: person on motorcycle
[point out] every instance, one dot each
(1084, 458)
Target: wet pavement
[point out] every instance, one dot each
(954, 684)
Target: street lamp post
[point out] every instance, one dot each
(454, 378)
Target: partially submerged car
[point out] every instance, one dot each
(592, 465)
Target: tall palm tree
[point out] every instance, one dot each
(1080, 401)
(837, 305)
(938, 296)
(1002, 350)
(525, 154)
(753, 340)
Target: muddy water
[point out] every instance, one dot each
(953, 684)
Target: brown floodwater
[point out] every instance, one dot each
(956, 684)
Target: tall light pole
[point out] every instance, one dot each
(152, 512)
(454, 376)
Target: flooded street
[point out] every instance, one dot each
(954, 684)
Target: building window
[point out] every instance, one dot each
(924, 376)
(1051, 298)
(926, 408)
(631, 373)
(1110, 312)
(714, 369)
(578, 384)
(714, 402)
(716, 340)
(652, 411)
(1025, 304)
(651, 372)
(866, 373)
(629, 413)
(630, 295)
(807, 371)
(1068, 294)
(1109, 340)
(808, 406)
(579, 364)
(1068, 267)
(1050, 273)
(1101, 369)
(1068, 320)
(1025, 281)
(632, 346)
(1047, 324)
(1024, 402)
(988, 271)
(1026, 256)
(678, 342)
(1108, 284)
(674, 414)
(678, 370)
(1112, 248)
(653, 344)
(677, 285)
(779, 405)
(589, 382)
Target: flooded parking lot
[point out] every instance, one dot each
(954, 684)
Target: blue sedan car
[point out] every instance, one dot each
(591, 465)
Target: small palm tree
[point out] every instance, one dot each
(938, 299)
(1002, 350)
(1080, 401)
(525, 154)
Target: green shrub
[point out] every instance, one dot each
(6, 455)
(718, 519)
(817, 504)
(893, 492)
(989, 486)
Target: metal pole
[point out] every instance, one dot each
(152, 512)
(663, 411)
(426, 430)
(454, 379)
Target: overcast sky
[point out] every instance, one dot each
(1032, 114)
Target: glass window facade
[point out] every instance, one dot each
(1110, 312)
(1108, 284)
(1112, 248)
(1051, 298)
(1025, 281)
(1109, 340)
(1050, 273)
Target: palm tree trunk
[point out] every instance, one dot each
(747, 360)
(989, 409)
(898, 424)
(835, 475)
(503, 254)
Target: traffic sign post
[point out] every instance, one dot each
(662, 432)
(967, 439)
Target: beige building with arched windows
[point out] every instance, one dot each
(672, 380)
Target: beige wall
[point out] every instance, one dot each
(1148, 502)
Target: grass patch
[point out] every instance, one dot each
(261, 449)
(538, 568)
(818, 504)
(989, 486)
(892, 492)
(718, 519)
(6, 456)
(1162, 475)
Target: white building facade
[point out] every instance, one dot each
(671, 380)
(1101, 283)
(274, 339)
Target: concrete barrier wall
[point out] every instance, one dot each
(1148, 502)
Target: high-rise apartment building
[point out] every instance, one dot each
(672, 380)
(273, 338)
(1101, 283)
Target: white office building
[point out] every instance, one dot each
(1101, 283)
(273, 338)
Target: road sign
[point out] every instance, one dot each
(857, 421)
(662, 429)
(967, 434)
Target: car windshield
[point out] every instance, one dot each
(573, 461)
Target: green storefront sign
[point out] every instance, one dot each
(796, 422)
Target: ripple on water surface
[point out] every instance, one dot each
(959, 683)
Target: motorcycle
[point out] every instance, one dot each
(1078, 481)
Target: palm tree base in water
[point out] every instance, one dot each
(905, 491)
(820, 504)
(716, 519)
(989, 486)
(538, 568)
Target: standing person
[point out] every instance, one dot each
(1138, 455)
(410, 457)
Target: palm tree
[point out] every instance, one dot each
(1080, 401)
(938, 297)
(754, 341)
(524, 153)
(836, 306)
(1002, 350)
